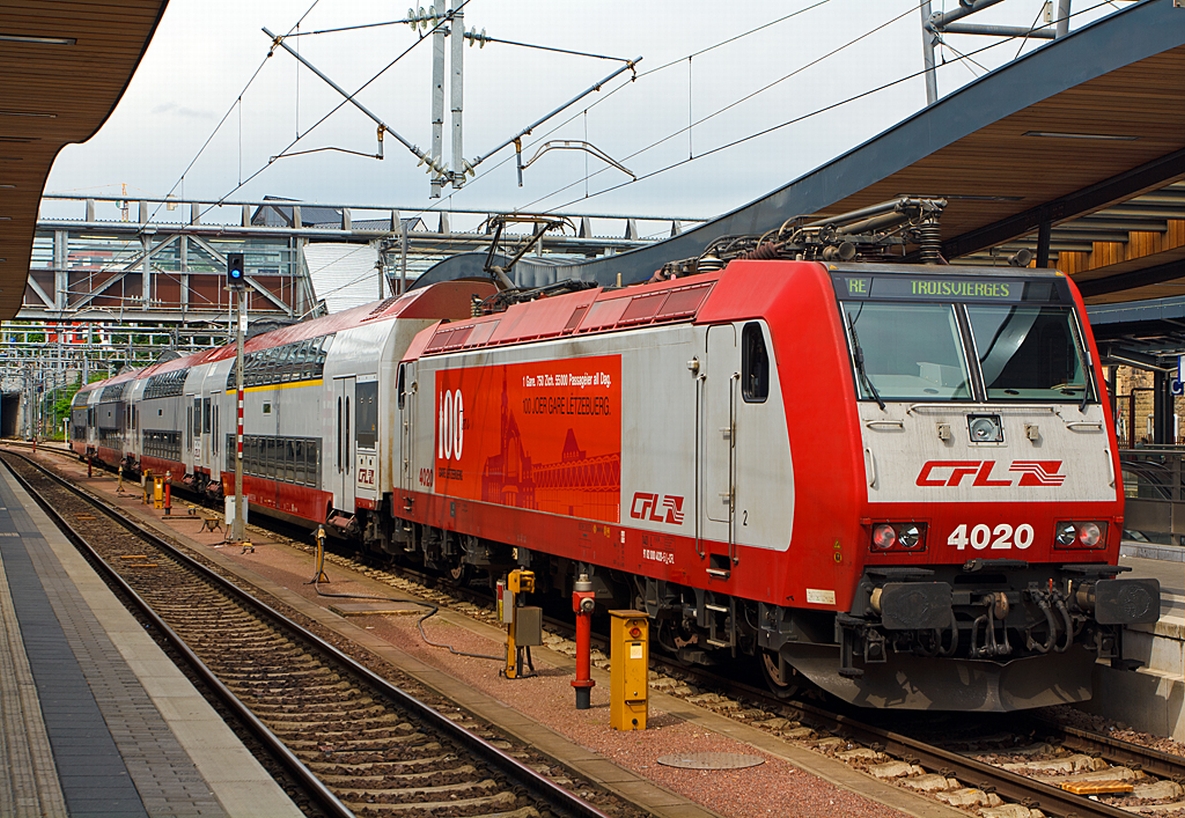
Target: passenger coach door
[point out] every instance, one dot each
(204, 455)
(212, 457)
(343, 395)
(193, 430)
(405, 409)
(717, 449)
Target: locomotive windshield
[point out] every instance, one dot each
(947, 339)
(1029, 353)
(909, 351)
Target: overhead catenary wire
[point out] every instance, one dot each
(724, 109)
(229, 111)
(439, 205)
(286, 151)
(731, 144)
(299, 136)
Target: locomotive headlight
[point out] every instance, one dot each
(884, 537)
(1089, 534)
(909, 536)
(1066, 534)
(1081, 535)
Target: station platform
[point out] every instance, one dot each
(97, 721)
(1151, 699)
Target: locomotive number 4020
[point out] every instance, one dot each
(1000, 538)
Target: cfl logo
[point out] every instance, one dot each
(450, 425)
(664, 508)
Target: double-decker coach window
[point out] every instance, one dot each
(366, 406)
(754, 364)
(906, 351)
(1029, 352)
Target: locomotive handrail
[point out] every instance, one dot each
(994, 408)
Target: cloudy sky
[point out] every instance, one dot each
(808, 73)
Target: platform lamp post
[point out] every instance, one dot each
(237, 285)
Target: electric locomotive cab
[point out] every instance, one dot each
(994, 502)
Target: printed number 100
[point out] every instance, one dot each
(450, 426)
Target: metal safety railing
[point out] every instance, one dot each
(1154, 487)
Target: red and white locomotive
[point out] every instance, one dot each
(898, 481)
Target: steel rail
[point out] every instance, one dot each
(1008, 785)
(557, 797)
(1116, 751)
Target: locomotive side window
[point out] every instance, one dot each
(1029, 352)
(399, 386)
(754, 364)
(906, 351)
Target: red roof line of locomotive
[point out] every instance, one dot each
(581, 313)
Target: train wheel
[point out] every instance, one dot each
(459, 574)
(783, 685)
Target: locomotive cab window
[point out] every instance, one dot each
(906, 351)
(754, 364)
(1030, 352)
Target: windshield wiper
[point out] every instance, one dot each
(858, 353)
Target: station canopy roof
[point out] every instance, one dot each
(63, 67)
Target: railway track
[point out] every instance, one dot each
(1014, 764)
(357, 744)
(1002, 766)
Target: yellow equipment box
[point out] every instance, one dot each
(629, 660)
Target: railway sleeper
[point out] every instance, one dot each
(453, 807)
(415, 740)
(429, 763)
(345, 725)
(401, 793)
(368, 781)
(381, 755)
(346, 695)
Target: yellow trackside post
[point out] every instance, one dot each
(629, 660)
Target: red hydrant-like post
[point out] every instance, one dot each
(168, 493)
(583, 602)
(90, 466)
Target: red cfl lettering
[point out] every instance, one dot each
(647, 506)
(953, 472)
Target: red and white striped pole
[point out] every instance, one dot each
(238, 524)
